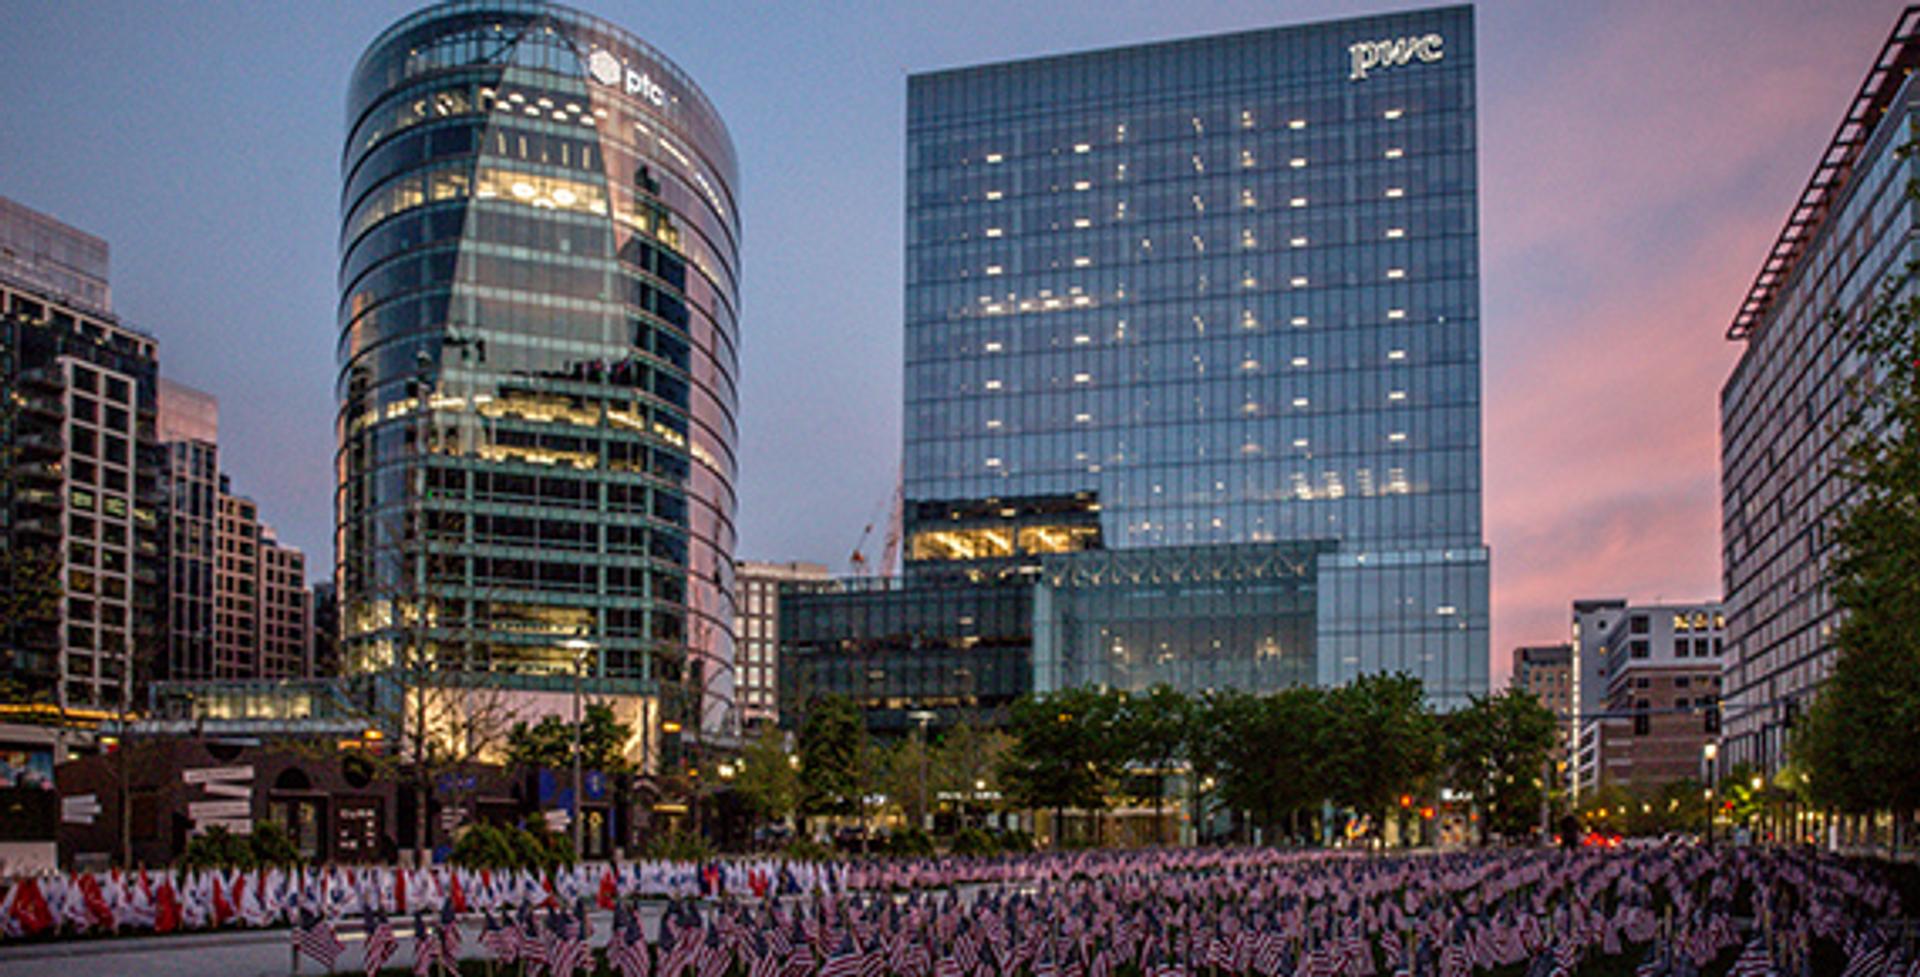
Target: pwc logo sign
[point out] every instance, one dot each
(1369, 55)
(606, 68)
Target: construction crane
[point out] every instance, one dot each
(890, 542)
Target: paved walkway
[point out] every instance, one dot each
(236, 953)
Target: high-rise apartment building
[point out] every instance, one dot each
(81, 480)
(1848, 237)
(237, 603)
(539, 290)
(1190, 298)
(190, 434)
(757, 632)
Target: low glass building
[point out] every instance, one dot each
(539, 284)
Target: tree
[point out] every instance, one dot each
(1496, 748)
(1268, 753)
(1860, 743)
(1155, 738)
(549, 743)
(1383, 743)
(832, 741)
(1064, 753)
(966, 761)
(769, 777)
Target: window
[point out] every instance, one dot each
(1682, 682)
(1642, 721)
(1680, 646)
(1638, 625)
(1638, 649)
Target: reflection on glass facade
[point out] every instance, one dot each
(539, 279)
(951, 646)
(1228, 290)
(1183, 616)
(1850, 234)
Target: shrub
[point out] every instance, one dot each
(678, 846)
(505, 847)
(807, 850)
(272, 845)
(909, 841)
(973, 841)
(1016, 841)
(217, 848)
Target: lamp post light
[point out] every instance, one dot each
(923, 717)
(581, 648)
(1709, 754)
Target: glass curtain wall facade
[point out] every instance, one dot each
(1226, 290)
(1850, 235)
(538, 321)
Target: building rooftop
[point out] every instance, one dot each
(1898, 57)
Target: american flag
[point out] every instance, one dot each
(426, 945)
(449, 933)
(568, 954)
(314, 936)
(712, 959)
(1866, 954)
(381, 943)
(533, 941)
(1754, 961)
(627, 950)
(845, 962)
(502, 939)
(762, 962)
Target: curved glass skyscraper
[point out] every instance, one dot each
(538, 300)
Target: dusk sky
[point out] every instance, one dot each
(1636, 161)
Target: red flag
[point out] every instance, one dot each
(607, 890)
(166, 907)
(222, 905)
(29, 908)
(455, 896)
(400, 891)
(96, 901)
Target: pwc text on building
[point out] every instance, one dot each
(1369, 55)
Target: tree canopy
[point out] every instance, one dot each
(1860, 743)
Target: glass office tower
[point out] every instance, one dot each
(1208, 293)
(539, 268)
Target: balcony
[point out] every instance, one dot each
(42, 378)
(39, 500)
(40, 405)
(38, 526)
(39, 444)
(37, 471)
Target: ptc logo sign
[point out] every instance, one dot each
(1368, 55)
(606, 68)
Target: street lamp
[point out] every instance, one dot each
(923, 717)
(1708, 754)
(581, 648)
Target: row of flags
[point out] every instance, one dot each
(166, 901)
(1230, 913)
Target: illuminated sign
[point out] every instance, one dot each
(606, 68)
(1368, 55)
